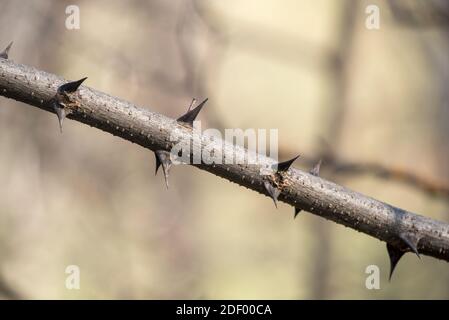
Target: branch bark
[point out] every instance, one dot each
(298, 189)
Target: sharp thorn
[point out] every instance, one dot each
(297, 211)
(395, 255)
(57, 101)
(60, 113)
(191, 115)
(284, 166)
(70, 87)
(316, 169)
(272, 192)
(5, 53)
(407, 243)
(192, 103)
(163, 159)
(158, 163)
(411, 243)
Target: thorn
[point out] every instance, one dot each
(316, 169)
(395, 255)
(272, 192)
(70, 87)
(297, 211)
(408, 243)
(58, 100)
(411, 243)
(61, 113)
(283, 166)
(192, 103)
(5, 53)
(191, 115)
(163, 158)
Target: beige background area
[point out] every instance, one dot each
(311, 69)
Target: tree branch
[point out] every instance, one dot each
(404, 231)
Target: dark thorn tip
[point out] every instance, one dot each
(192, 103)
(191, 115)
(284, 166)
(396, 252)
(395, 255)
(158, 163)
(71, 87)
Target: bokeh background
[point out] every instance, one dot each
(373, 104)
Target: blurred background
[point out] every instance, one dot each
(373, 104)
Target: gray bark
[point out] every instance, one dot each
(298, 188)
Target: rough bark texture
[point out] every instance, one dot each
(299, 189)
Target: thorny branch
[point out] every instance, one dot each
(402, 230)
(333, 63)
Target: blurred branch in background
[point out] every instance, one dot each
(339, 79)
(421, 13)
(334, 165)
